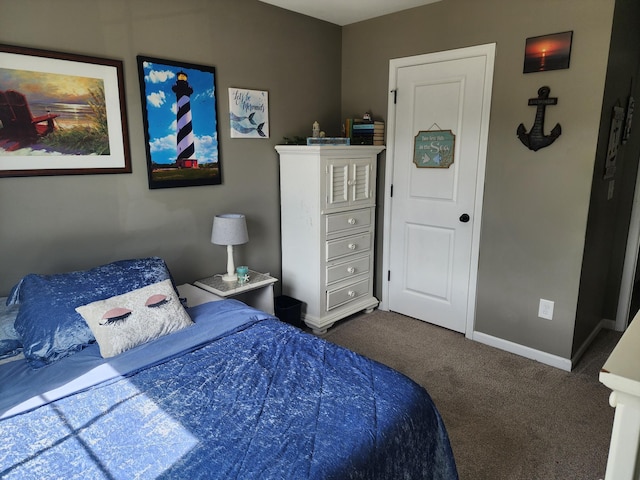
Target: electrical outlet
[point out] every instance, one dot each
(545, 310)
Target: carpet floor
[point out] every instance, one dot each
(508, 417)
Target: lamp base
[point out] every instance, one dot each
(230, 278)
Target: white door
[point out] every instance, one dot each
(441, 101)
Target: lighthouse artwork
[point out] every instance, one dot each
(179, 102)
(185, 142)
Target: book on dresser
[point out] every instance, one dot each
(364, 132)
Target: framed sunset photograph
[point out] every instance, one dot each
(61, 114)
(547, 52)
(180, 123)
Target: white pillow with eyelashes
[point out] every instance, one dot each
(126, 321)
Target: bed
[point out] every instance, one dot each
(231, 392)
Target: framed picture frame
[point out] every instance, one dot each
(248, 113)
(547, 52)
(628, 119)
(180, 123)
(61, 114)
(615, 135)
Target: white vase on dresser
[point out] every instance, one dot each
(327, 205)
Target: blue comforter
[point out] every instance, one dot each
(242, 396)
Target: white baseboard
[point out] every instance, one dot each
(527, 352)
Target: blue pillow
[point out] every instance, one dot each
(47, 322)
(10, 343)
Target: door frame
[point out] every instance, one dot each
(487, 51)
(630, 264)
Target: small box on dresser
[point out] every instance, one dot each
(327, 204)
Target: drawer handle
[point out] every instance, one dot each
(350, 183)
(351, 270)
(352, 246)
(351, 221)
(351, 293)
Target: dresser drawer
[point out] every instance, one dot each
(348, 246)
(345, 221)
(348, 269)
(340, 296)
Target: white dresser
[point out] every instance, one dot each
(327, 204)
(621, 373)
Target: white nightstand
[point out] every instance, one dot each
(195, 296)
(257, 292)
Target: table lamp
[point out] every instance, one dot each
(229, 229)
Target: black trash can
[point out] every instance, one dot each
(289, 310)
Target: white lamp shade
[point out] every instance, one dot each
(229, 229)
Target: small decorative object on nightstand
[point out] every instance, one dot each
(229, 229)
(243, 274)
(256, 292)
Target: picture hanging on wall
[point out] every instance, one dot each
(248, 113)
(180, 123)
(629, 118)
(615, 134)
(61, 114)
(548, 52)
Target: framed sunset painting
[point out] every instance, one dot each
(61, 114)
(547, 52)
(180, 123)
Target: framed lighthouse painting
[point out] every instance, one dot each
(180, 123)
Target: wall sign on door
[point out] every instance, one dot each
(434, 149)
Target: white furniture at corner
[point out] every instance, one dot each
(257, 292)
(621, 373)
(195, 296)
(327, 205)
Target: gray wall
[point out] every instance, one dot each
(53, 224)
(608, 224)
(535, 203)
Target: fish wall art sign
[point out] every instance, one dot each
(248, 113)
(434, 149)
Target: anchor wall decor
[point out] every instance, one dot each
(536, 139)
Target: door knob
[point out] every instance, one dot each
(464, 218)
